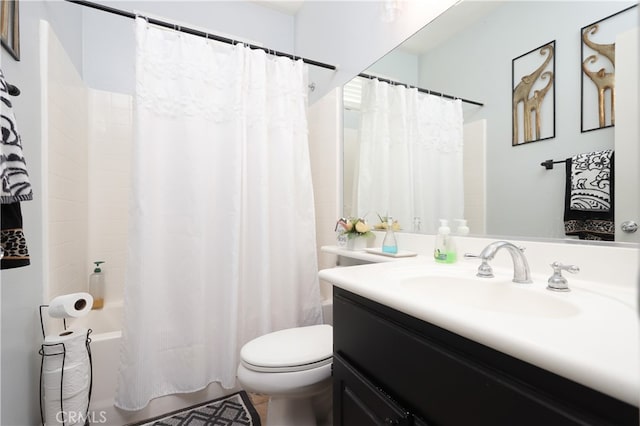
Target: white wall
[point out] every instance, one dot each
(524, 199)
(22, 287)
(348, 34)
(109, 40)
(352, 35)
(627, 133)
(399, 66)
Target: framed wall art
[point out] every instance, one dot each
(10, 27)
(597, 68)
(533, 95)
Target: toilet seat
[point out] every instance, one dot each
(289, 350)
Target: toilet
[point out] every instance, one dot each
(292, 367)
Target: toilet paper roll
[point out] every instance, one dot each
(72, 305)
(68, 412)
(66, 388)
(75, 349)
(73, 379)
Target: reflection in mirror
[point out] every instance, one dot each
(409, 151)
(467, 52)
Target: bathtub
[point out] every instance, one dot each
(106, 326)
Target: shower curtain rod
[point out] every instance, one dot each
(430, 92)
(197, 32)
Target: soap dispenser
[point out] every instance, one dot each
(96, 286)
(462, 229)
(445, 249)
(390, 244)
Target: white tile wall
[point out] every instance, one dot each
(66, 180)
(88, 181)
(325, 135)
(475, 176)
(110, 141)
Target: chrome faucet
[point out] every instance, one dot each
(521, 273)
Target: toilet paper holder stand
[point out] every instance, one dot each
(60, 350)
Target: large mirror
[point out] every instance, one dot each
(468, 52)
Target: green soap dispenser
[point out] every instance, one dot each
(96, 286)
(445, 249)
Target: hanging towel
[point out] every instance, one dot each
(14, 246)
(16, 186)
(13, 171)
(589, 203)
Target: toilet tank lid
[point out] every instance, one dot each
(290, 347)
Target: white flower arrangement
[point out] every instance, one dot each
(355, 227)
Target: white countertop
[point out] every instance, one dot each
(597, 345)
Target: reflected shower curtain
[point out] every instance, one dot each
(410, 159)
(222, 224)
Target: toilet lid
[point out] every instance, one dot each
(290, 349)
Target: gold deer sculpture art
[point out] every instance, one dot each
(521, 95)
(603, 80)
(534, 105)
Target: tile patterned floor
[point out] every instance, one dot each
(260, 402)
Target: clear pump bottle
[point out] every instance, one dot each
(445, 249)
(390, 244)
(463, 229)
(96, 286)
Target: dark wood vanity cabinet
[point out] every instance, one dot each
(391, 368)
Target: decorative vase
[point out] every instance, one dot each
(357, 243)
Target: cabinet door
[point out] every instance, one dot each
(356, 401)
(447, 380)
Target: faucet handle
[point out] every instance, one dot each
(484, 270)
(557, 282)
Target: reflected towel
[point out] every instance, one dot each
(589, 205)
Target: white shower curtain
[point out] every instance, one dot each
(222, 225)
(410, 160)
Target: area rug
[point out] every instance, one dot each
(231, 410)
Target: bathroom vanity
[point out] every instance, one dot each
(390, 368)
(414, 357)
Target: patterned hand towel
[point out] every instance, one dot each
(16, 186)
(589, 204)
(14, 246)
(13, 171)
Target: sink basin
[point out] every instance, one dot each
(490, 295)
